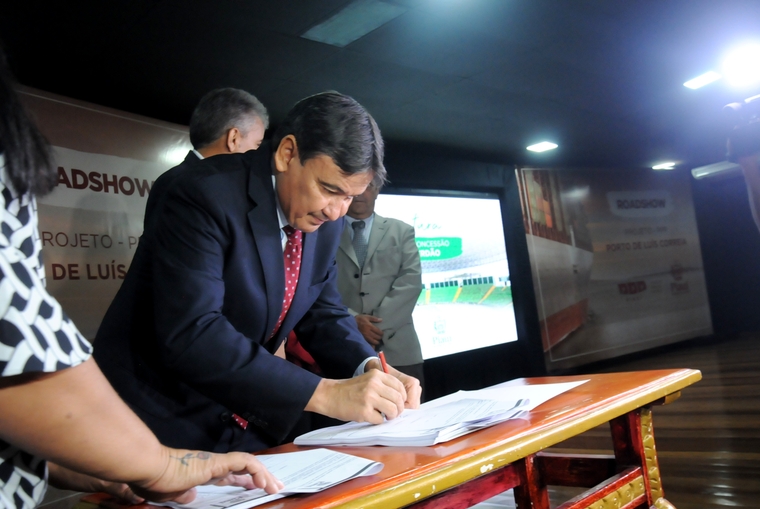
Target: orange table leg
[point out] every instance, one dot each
(633, 439)
(532, 492)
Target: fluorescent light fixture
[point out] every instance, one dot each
(701, 81)
(664, 166)
(742, 66)
(721, 169)
(577, 194)
(355, 20)
(543, 146)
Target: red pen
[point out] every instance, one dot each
(382, 361)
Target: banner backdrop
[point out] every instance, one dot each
(616, 262)
(90, 224)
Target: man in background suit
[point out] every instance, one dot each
(188, 341)
(379, 279)
(225, 121)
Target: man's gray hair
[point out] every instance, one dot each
(222, 109)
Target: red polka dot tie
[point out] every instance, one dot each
(292, 258)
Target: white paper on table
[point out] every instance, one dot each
(426, 426)
(444, 418)
(538, 394)
(433, 418)
(301, 472)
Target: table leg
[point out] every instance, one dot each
(633, 440)
(532, 493)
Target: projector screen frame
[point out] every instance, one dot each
(465, 274)
(524, 357)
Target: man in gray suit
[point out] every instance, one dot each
(379, 279)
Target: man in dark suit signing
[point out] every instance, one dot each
(240, 252)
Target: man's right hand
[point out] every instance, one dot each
(364, 398)
(372, 334)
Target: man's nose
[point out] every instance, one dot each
(336, 209)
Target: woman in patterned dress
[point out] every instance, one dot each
(55, 404)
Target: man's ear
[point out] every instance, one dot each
(286, 151)
(233, 138)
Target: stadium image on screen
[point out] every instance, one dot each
(466, 300)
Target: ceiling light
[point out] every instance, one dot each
(742, 66)
(701, 81)
(721, 169)
(576, 194)
(355, 20)
(664, 166)
(543, 146)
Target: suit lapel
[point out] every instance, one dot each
(345, 243)
(264, 224)
(379, 229)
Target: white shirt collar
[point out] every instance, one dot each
(280, 214)
(198, 154)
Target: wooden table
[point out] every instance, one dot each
(473, 468)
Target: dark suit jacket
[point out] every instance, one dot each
(185, 341)
(163, 183)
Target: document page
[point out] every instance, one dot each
(423, 427)
(538, 394)
(301, 472)
(442, 419)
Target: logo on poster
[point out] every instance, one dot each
(103, 182)
(439, 248)
(676, 270)
(440, 330)
(632, 287)
(424, 225)
(638, 204)
(678, 286)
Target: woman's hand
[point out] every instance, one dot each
(186, 469)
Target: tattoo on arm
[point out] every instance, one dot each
(199, 455)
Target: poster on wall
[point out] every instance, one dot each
(615, 259)
(89, 227)
(90, 224)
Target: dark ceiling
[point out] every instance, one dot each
(476, 78)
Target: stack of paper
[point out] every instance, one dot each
(301, 472)
(442, 419)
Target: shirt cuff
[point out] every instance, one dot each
(360, 369)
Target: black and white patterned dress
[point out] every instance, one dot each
(35, 333)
